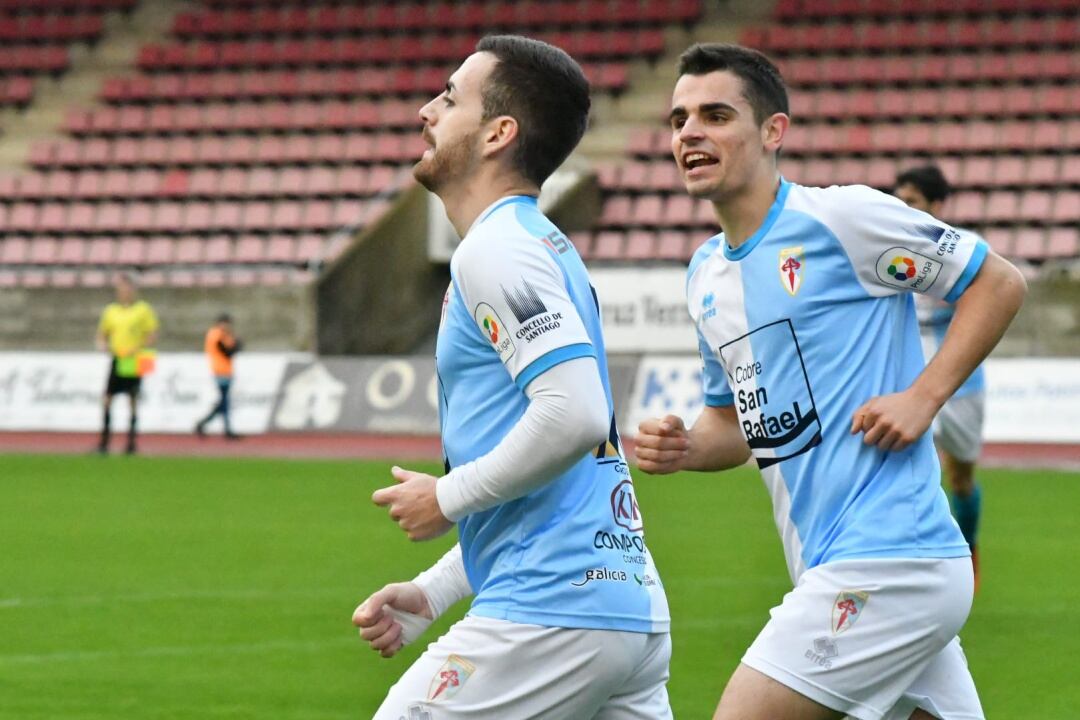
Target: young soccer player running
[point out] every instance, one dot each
(569, 618)
(959, 424)
(812, 366)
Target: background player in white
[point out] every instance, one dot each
(569, 618)
(958, 427)
(812, 366)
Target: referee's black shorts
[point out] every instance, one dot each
(121, 385)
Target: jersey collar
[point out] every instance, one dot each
(508, 200)
(751, 242)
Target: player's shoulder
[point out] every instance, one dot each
(837, 200)
(511, 234)
(706, 250)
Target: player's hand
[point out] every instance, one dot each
(893, 422)
(413, 504)
(393, 617)
(662, 445)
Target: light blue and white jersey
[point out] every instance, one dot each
(803, 323)
(934, 318)
(572, 553)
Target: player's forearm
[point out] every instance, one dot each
(567, 417)
(716, 443)
(445, 582)
(983, 313)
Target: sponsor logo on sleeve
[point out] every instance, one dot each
(531, 312)
(492, 325)
(905, 268)
(791, 265)
(847, 609)
(450, 678)
(943, 236)
(708, 306)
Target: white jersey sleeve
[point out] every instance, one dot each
(517, 295)
(894, 248)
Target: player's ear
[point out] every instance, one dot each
(773, 131)
(498, 133)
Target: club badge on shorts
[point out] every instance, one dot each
(450, 677)
(847, 609)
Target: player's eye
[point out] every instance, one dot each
(677, 122)
(447, 100)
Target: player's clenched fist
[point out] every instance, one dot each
(662, 445)
(393, 617)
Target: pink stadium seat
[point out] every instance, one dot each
(607, 245)
(1066, 207)
(218, 250)
(648, 210)
(1007, 170)
(198, 217)
(159, 251)
(1063, 242)
(1042, 170)
(189, 250)
(1002, 205)
(1035, 206)
(672, 245)
(640, 245)
(130, 251)
(1029, 243)
(71, 251)
(14, 250)
(99, 251)
(44, 251)
(81, 217)
(140, 217)
(250, 249)
(53, 217)
(966, 207)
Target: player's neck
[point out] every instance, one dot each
(465, 202)
(742, 214)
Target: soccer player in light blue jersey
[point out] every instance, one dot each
(569, 618)
(959, 424)
(813, 368)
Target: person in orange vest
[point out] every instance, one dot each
(220, 346)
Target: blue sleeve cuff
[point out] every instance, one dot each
(550, 359)
(720, 400)
(976, 261)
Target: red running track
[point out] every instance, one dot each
(403, 447)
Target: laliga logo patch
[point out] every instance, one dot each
(792, 262)
(905, 268)
(450, 678)
(848, 609)
(489, 321)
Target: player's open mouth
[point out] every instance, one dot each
(696, 159)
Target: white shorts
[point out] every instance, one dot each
(495, 669)
(874, 638)
(958, 426)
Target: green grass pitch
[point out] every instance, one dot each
(195, 588)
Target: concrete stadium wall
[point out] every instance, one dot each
(382, 295)
(267, 318)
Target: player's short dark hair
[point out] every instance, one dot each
(542, 88)
(929, 180)
(224, 318)
(763, 85)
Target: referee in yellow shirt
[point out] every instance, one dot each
(127, 326)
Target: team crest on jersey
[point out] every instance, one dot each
(495, 330)
(450, 678)
(847, 609)
(792, 264)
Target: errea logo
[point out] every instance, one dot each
(708, 306)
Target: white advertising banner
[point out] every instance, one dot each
(1028, 400)
(62, 392)
(1033, 400)
(644, 309)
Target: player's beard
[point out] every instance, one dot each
(453, 160)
